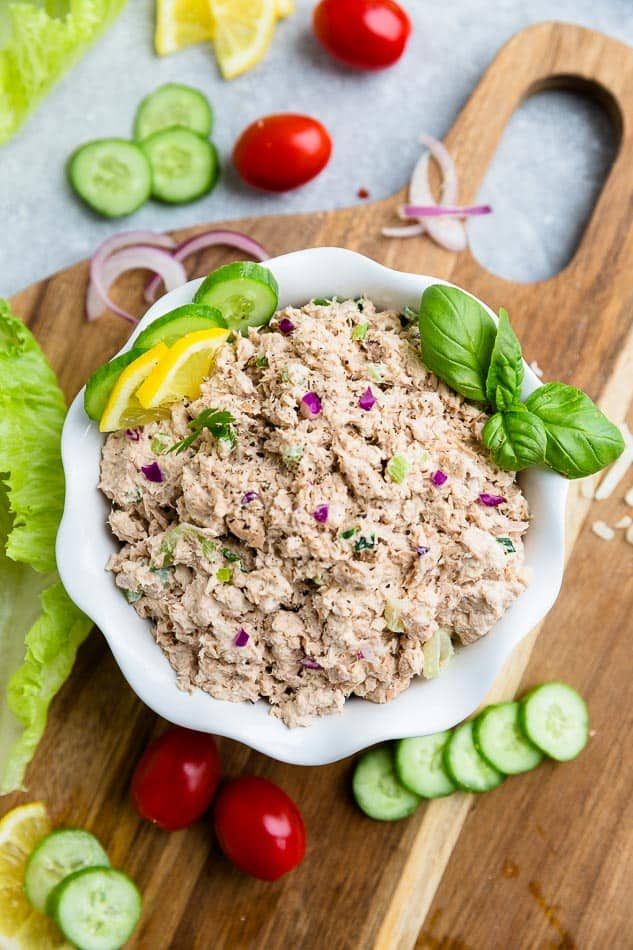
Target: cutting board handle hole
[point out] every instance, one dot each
(566, 130)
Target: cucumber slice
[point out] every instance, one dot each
(112, 176)
(246, 294)
(555, 718)
(102, 382)
(96, 908)
(420, 767)
(178, 323)
(55, 857)
(377, 790)
(464, 764)
(173, 104)
(501, 741)
(184, 165)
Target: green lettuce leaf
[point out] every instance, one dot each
(40, 627)
(41, 41)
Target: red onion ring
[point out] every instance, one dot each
(130, 258)
(441, 211)
(210, 239)
(97, 293)
(447, 232)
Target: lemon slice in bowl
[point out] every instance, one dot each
(180, 23)
(123, 409)
(242, 31)
(181, 371)
(21, 926)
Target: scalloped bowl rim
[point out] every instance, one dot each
(84, 544)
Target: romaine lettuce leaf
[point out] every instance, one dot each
(42, 41)
(40, 628)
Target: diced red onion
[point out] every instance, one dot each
(321, 513)
(360, 655)
(286, 326)
(421, 550)
(443, 211)
(130, 258)
(152, 472)
(133, 435)
(242, 638)
(310, 405)
(217, 236)
(249, 496)
(367, 401)
(491, 501)
(311, 664)
(439, 477)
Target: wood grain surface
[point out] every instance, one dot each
(546, 860)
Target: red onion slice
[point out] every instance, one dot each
(96, 292)
(130, 258)
(409, 230)
(212, 238)
(441, 211)
(447, 232)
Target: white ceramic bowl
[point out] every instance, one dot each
(84, 544)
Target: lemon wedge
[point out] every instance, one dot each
(181, 371)
(21, 926)
(123, 409)
(242, 31)
(180, 23)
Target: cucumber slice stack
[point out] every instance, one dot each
(68, 876)
(171, 158)
(476, 756)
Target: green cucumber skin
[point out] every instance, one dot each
(146, 122)
(478, 726)
(402, 769)
(164, 191)
(76, 175)
(183, 320)
(207, 293)
(365, 801)
(523, 719)
(55, 907)
(453, 774)
(103, 381)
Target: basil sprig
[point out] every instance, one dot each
(557, 425)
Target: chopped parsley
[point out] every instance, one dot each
(507, 545)
(234, 558)
(218, 422)
(365, 544)
(262, 362)
(348, 533)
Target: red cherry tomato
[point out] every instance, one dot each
(364, 34)
(176, 778)
(259, 828)
(280, 152)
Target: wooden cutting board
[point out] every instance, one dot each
(544, 861)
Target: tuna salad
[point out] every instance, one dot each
(337, 538)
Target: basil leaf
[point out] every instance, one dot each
(580, 438)
(516, 439)
(503, 382)
(457, 336)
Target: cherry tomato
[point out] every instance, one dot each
(364, 34)
(176, 778)
(259, 828)
(280, 152)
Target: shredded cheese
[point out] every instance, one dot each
(625, 522)
(603, 530)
